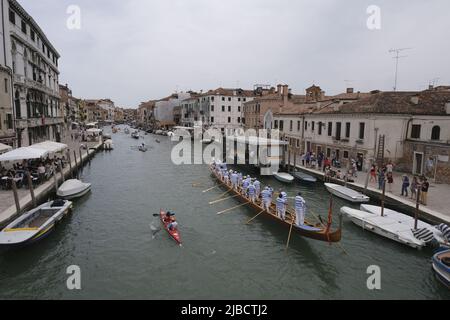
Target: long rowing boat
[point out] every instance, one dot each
(317, 231)
(174, 234)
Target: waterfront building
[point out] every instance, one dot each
(7, 134)
(163, 111)
(34, 64)
(118, 115)
(191, 112)
(144, 116)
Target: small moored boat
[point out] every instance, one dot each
(173, 233)
(404, 219)
(346, 193)
(34, 224)
(304, 177)
(72, 189)
(441, 266)
(283, 177)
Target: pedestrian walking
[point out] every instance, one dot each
(405, 185)
(413, 187)
(424, 191)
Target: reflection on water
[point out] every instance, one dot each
(115, 239)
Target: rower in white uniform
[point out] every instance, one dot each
(281, 207)
(300, 207)
(266, 198)
(252, 192)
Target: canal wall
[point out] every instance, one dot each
(396, 202)
(46, 189)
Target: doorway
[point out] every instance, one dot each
(418, 163)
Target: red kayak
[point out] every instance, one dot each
(173, 233)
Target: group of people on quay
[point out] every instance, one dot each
(40, 171)
(384, 174)
(251, 189)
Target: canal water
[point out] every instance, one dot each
(111, 237)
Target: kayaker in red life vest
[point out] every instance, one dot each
(168, 216)
(173, 225)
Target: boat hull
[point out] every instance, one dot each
(283, 179)
(361, 199)
(174, 234)
(441, 270)
(40, 233)
(379, 230)
(309, 230)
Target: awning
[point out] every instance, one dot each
(23, 154)
(4, 148)
(50, 146)
(93, 130)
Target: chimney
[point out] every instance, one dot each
(279, 90)
(285, 94)
(349, 90)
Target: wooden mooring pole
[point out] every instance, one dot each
(16, 196)
(30, 187)
(76, 163)
(70, 164)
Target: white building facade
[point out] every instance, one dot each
(34, 63)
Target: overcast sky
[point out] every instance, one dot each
(136, 50)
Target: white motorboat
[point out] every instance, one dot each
(34, 224)
(404, 219)
(108, 145)
(283, 177)
(73, 188)
(346, 193)
(304, 177)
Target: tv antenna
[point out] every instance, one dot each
(397, 57)
(433, 82)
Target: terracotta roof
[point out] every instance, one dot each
(230, 92)
(428, 102)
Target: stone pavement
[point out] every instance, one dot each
(438, 203)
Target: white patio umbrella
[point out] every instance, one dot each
(50, 146)
(23, 153)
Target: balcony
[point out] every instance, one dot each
(37, 122)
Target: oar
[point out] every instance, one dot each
(242, 204)
(210, 189)
(219, 197)
(220, 200)
(290, 231)
(254, 217)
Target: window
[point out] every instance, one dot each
(297, 143)
(345, 154)
(239, 119)
(281, 125)
(229, 108)
(223, 108)
(362, 126)
(243, 120)
(12, 17)
(212, 98)
(239, 108)
(306, 125)
(436, 133)
(298, 125)
(244, 99)
(223, 98)
(229, 99)
(24, 27)
(239, 99)
(6, 85)
(212, 119)
(338, 131)
(330, 129)
(229, 119)
(290, 125)
(312, 126)
(32, 35)
(9, 120)
(347, 129)
(275, 125)
(212, 108)
(320, 127)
